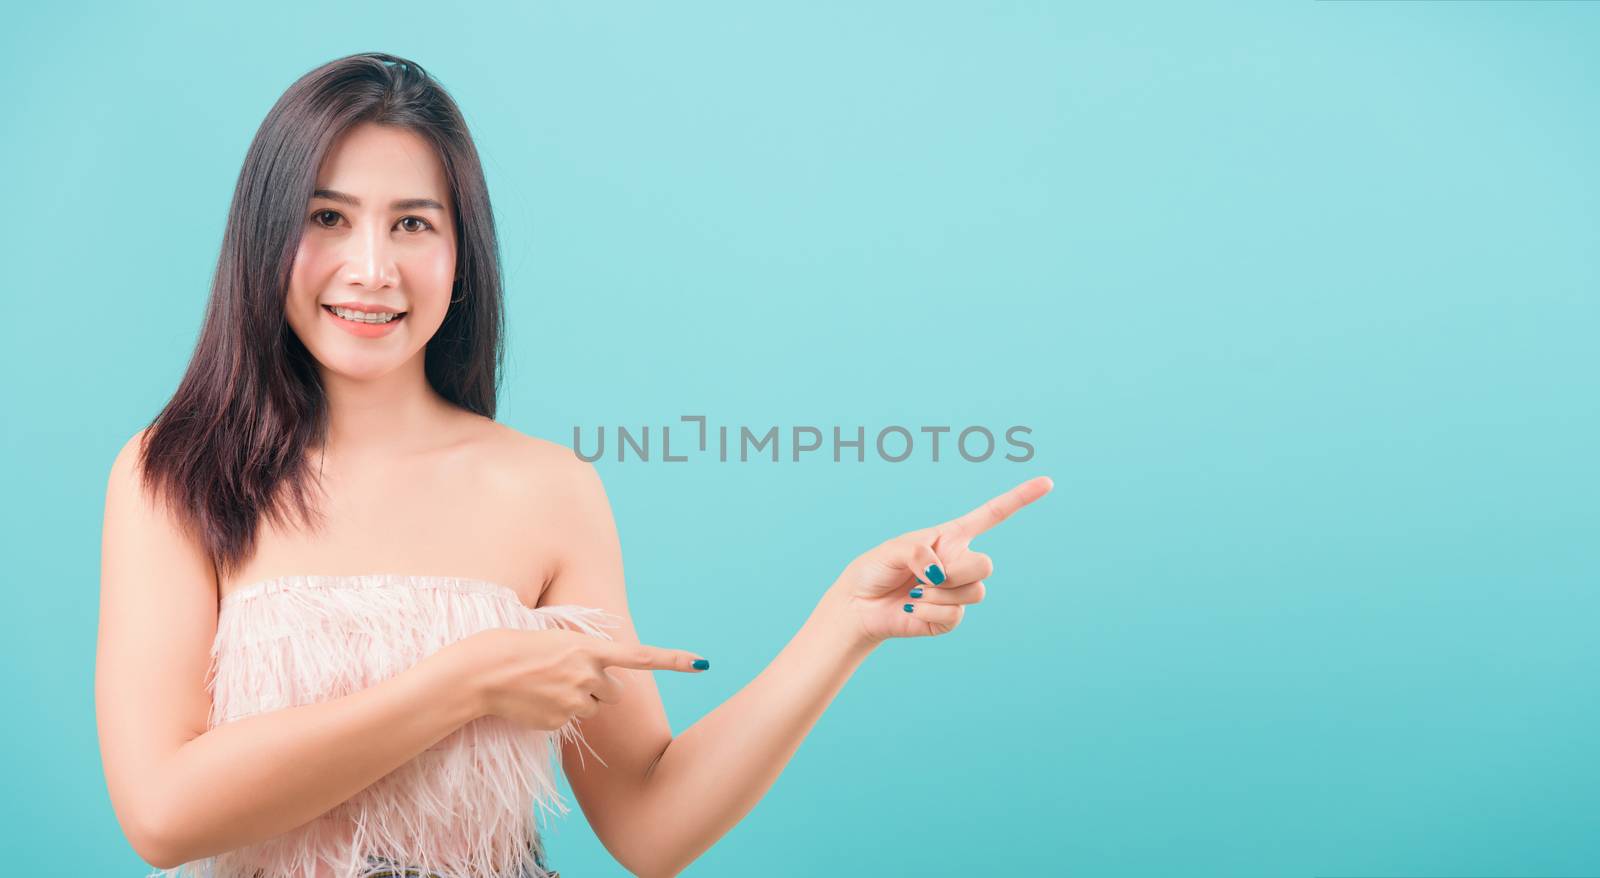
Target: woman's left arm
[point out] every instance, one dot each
(660, 801)
(713, 773)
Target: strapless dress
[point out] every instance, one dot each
(466, 807)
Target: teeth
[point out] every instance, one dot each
(362, 316)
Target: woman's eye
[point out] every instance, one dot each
(321, 214)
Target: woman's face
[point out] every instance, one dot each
(378, 236)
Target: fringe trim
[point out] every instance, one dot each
(463, 808)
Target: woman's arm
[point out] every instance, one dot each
(713, 773)
(255, 778)
(658, 802)
(182, 792)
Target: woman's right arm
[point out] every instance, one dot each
(181, 792)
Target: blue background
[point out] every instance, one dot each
(1298, 298)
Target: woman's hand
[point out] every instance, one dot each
(876, 588)
(544, 678)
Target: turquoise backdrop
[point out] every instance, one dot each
(1297, 298)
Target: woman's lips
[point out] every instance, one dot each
(363, 330)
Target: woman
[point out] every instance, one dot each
(347, 618)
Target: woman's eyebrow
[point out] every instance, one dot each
(398, 204)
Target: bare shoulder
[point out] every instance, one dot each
(127, 458)
(548, 487)
(573, 517)
(533, 461)
(125, 480)
(130, 497)
(145, 510)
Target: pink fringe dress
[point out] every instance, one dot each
(465, 807)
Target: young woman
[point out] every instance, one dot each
(348, 619)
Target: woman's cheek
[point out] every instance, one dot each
(443, 266)
(307, 266)
(318, 255)
(438, 269)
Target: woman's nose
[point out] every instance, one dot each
(370, 261)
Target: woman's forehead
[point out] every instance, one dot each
(378, 163)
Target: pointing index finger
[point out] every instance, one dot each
(650, 658)
(994, 511)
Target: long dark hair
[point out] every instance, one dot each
(232, 445)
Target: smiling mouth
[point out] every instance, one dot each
(395, 319)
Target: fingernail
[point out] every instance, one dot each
(935, 575)
(908, 607)
(701, 664)
(916, 592)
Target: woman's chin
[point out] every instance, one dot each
(363, 365)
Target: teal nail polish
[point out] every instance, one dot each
(701, 664)
(916, 592)
(935, 575)
(908, 607)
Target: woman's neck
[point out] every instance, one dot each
(385, 417)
